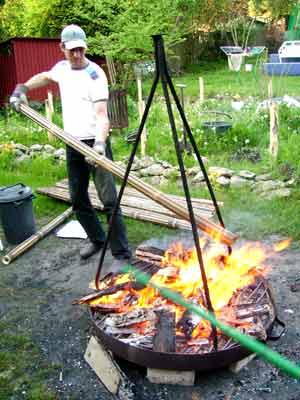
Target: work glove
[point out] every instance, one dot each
(18, 97)
(99, 148)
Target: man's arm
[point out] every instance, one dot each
(102, 121)
(102, 128)
(38, 80)
(19, 94)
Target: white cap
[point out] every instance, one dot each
(73, 36)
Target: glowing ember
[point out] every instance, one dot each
(180, 271)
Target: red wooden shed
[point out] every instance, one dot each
(21, 58)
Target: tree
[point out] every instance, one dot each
(12, 10)
(275, 8)
(123, 28)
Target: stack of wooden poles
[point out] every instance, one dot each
(137, 206)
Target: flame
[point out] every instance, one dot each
(180, 271)
(282, 245)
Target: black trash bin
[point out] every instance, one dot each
(16, 212)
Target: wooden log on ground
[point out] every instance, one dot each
(241, 364)
(107, 370)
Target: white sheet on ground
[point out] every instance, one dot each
(72, 230)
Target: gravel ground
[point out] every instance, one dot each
(38, 288)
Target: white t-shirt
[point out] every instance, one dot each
(80, 89)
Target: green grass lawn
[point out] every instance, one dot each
(22, 373)
(220, 81)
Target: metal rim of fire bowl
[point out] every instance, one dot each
(178, 361)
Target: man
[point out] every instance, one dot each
(84, 94)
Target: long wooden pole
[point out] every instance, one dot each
(40, 234)
(274, 130)
(201, 89)
(215, 231)
(141, 109)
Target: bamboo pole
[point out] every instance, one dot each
(201, 89)
(33, 239)
(135, 200)
(270, 88)
(215, 231)
(129, 210)
(274, 130)
(141, 215)
(141, 109)
(130, 202)
(197, 202)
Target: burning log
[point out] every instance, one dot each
(136, 316)
(150, 253)
(170, 273)
(139, 341)
(106, 308)
(164, 339)
(253, 310)
(120, 332)
(201, 345)
(109, 286)
(104, 292)
(257, 330)
(145, 266)
(188, 322)
(129, 323)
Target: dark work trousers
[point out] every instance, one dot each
(79, 172)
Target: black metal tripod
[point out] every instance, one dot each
(163, 74)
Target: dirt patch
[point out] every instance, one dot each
(37, 290)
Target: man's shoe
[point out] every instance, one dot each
(118, 264)
(90, 249)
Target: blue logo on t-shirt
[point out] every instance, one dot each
(92, 72)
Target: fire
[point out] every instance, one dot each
(180, 271)
(282, 245)
(224, 275)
